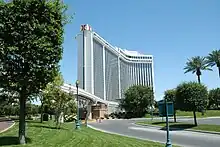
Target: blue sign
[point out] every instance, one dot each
(162, 108)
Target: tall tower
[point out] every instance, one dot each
(85, 58)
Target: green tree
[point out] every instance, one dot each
(31, 37)
(214, 98)
(56, 98)
(213, 59)
(196, 65)
(61, 101)
(31, 110)
(42, 101)
(191, 96)
(8, 101)
(45, 100)
(70, 108)
(170, 96)
(137, 100)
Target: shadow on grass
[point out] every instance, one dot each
(158, 123)
(35, 122)
(176, 127)
(49, 127)
(11, 140)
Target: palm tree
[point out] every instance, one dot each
(196, 65)
(214, 59)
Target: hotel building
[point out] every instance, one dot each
(107, 71)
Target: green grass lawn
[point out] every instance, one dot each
(45, 135)
(208, 113)
(179, 125)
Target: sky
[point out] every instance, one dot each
(172, 31)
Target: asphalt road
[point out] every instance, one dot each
(210, 120)
(179, 137)
(4, 124)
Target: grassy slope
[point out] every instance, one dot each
(183, 125)
(45, 135)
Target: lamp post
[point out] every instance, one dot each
(168, 143)
(77, 96)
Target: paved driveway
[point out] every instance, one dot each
(179, 137)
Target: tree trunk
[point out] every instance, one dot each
(195, 121)
(219, 71)
(88, 110)
(58, 119)
(199, 80)
(86, 119)
(174, 115)
(22, 119)
(41, 115)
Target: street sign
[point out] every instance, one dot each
(162, 108)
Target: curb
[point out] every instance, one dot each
(189, 130)
(203, 131)
(7, 128)
(153, 126)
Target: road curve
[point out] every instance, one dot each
(179, 137)
(4, 124)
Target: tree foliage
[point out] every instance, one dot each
(137, 100)
(32, 110)
(170, 96)
(8, 103)
(191, 96)
(31, 37)
(213, 59)
(12, 109)
(31, 44)
(9, 110)
(214, 98)
(196, 65)
(70, 108)
(57, 99)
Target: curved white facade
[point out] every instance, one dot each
(70, 88)
(107, 71)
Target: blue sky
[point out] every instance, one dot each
(170, 30)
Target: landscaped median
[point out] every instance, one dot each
(215, 129)
(208, 113)
(45, 134)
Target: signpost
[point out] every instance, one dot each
(166, 109)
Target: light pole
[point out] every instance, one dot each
(168, 144)
(77, 96)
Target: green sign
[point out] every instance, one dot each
(162, 108)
